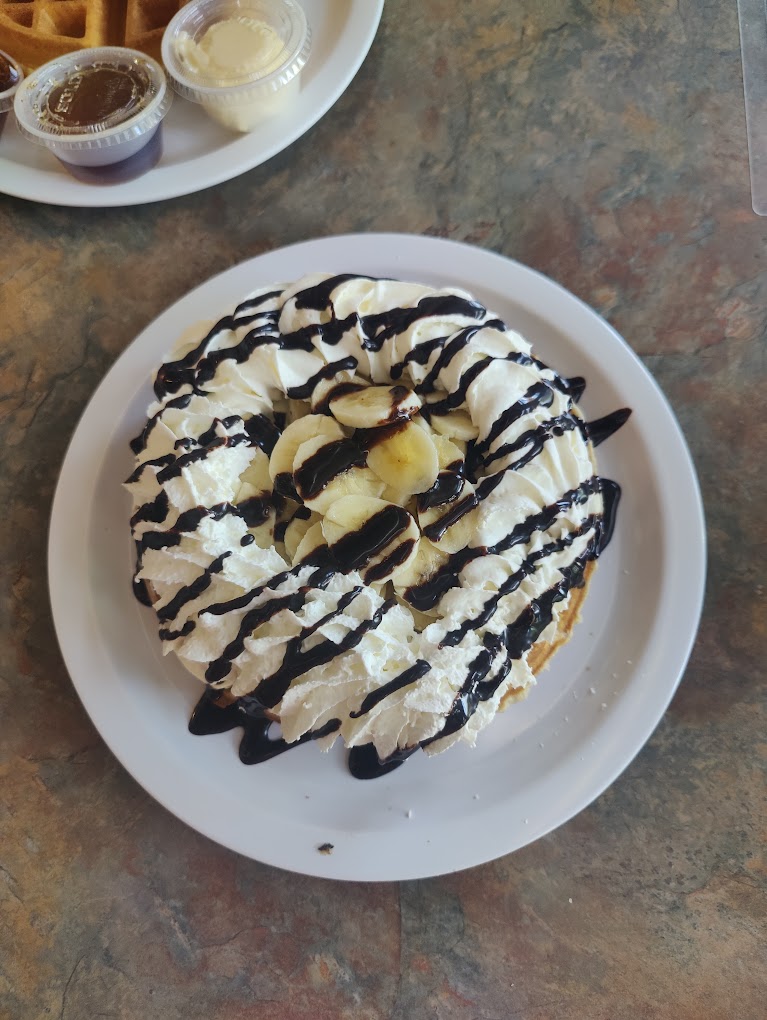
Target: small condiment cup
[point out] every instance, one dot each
(239, 96)
(11, 76)
(99, 111)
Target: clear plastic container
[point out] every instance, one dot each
(753, 49)
(11, 76)
(240, 59)
(99, 111)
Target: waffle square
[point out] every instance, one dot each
(36, 31)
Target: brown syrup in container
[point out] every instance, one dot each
(9, 76)
(103, 95)
(96, 94)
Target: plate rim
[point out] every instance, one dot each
(372, 243)
(363, 23)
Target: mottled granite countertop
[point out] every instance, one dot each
(604, 144)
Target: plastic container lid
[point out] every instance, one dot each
(239, 83)
(92, 99)
(11, 76)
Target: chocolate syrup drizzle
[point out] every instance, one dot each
(332, 459)
(214, 715)
(255, 323)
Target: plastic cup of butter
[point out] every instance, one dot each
(241, 60)
(11, 76)
(99, 111)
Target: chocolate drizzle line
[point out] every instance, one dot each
(458, 396)
(535, 439)
(405, 679)
(540, 394)
(339, 390)
(326, 372)
(255, 323)
(318, 297)
(191, 591)
(139, 443)
(448, 486)
(603, 428)
(300, 513)
(454, 637)
(187, 370)
(318, 579)
(364, 762)
(454, 346)
(332, 459)
(355, 550)
(214, 715)
(426, 595)
(272, 689)
(383, 326)
(456, 511)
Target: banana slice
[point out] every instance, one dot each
(375, 406)
(284, 452)
(392, 495)
(449, 454)
(406, 459)
(256, 474)
(344, 382)
(456, 425)
(451, 526)
(427, 561)
(255, 507)
(420, 620)
(358, 481)
(295, 532)
(296, 409)
(325, 470)
(310, 543)
(371, 536)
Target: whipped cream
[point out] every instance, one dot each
(424, 661)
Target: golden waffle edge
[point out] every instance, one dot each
(36, 31)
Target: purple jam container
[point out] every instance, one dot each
(99, 111)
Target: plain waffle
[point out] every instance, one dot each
(36, 31)
(145, 22)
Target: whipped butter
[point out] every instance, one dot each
(232, 48)
(241, 63)
(396, 618)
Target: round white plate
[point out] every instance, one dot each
(197, 152)
(540, 762)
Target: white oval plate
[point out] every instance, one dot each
(197, 152)
(540, 762)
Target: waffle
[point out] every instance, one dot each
(36, 31)
(480, 589)
(540, 654)
(145, 22)
(542, 651)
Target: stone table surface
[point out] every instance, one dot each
(604, 144)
